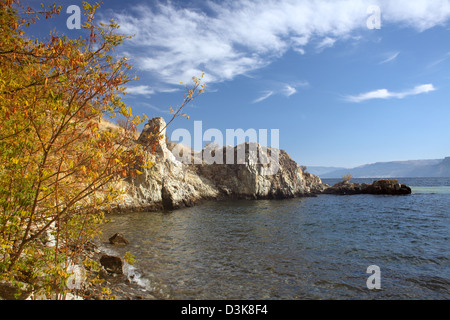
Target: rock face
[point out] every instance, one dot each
(387, 187)
(314, 183)
(169, 184)
(251, 179)
(256, 173)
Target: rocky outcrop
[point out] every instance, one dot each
(387, 187)
(181, 177)
(314, 183)
(257, 172)
(253, 177)
(168, 184)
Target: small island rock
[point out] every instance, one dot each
(385, 187)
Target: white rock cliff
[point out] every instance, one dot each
(172, 184)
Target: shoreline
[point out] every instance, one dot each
(129, 290)
(120, 286)
(145, 267)
(377, 187)
(123, 286)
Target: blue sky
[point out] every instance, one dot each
(341, 94)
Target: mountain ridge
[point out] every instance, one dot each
(391, 169)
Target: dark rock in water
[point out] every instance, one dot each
(346, 188)
(391, 187)
(112, 264)
(118, 239)
(387, 187)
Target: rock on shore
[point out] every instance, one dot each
(172, 184)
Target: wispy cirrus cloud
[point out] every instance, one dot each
(440, 60)
(147, 90)
(231, 38)
(391, 57)
(154, 108)
(289, 90)
(386, 94)
(284, 89)
(264, 96)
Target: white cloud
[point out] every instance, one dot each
(231, 38)
(386, 94)
(289, 91)
(147, 90)
(300, 50)
(325, 43)
(168, 90)
(418, 14)
(392, 57)
(263, 97)
(298, 43)
(141, 90)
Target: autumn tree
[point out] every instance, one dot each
(59, 166)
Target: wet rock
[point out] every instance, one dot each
(118, 239)
(103, 274)
(112, 264)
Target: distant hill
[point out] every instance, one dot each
(320, 171)
(394, 169)
(443, 168)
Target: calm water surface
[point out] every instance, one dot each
(306, 248)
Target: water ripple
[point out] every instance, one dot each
(312, 248)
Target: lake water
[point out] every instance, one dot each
(305, 248)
